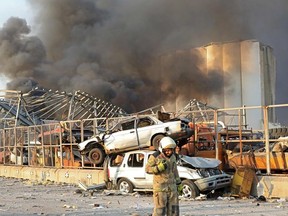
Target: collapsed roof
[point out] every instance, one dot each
(198, 111)
(40, 105)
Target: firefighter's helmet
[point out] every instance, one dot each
(167, 142)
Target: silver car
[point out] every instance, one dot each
(131, 134)
(126, 172)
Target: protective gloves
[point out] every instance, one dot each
(180, 189)
(162, 166)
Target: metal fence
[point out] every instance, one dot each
(55, 144)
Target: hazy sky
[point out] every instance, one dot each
(18, 8)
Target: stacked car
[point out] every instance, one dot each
(131, 134)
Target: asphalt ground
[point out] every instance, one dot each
(23, 197)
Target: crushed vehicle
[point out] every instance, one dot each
(42, 146)
(126, 172)
(131, 134)
(67, 135)
(203, 142)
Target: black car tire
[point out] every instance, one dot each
(124, 185)
(190, 190)
(96, 156)
(156, 140)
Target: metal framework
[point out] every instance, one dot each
(39, 106)
(201, 111)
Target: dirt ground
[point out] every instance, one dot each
(22, 197)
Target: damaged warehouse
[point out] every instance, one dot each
(56, 144)
(72, 133)
(45, 128)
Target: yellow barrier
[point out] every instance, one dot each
(70, 176)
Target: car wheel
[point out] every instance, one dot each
(190, 190)
(156, 140)
(125, 186)
(96, 156)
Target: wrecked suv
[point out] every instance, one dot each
(131, 134)
(126, 172)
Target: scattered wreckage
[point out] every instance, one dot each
(126, 172)
(256, 158)
(63, 153)
(131, 134)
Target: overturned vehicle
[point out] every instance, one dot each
(126, 172)
(131, 134)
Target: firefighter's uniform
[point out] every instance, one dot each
(165, 194)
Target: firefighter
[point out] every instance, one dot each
(166, 182)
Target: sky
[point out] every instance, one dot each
(14, 8)
(109, 48)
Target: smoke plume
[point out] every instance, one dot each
(111, 49)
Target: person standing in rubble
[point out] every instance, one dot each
(166, 182)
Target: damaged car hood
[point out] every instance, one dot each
(199, 162)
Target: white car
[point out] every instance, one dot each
(131, 134)
(126, 172)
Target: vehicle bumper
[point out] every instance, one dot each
(214, 182)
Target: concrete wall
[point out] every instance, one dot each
(71, 176)
(249, 73)
(251, 81)
(273, 186)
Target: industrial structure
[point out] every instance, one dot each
(247, 73)
(40, 129)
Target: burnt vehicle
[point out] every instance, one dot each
(67, 135)
(76, 134)
(126, 172)
(131, 134)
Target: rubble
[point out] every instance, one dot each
(61, 200)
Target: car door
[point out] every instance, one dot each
(125, 138)
(144, 131)
(135, 169)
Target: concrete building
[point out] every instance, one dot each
(248, 73)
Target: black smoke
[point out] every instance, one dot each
(111, 49)
(20, 56)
